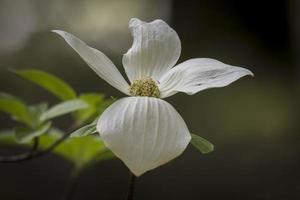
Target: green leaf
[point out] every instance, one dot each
(80, 151)
(36, 111)
(104, 155)
(201, 144)
(49, 82)
(24, 134)
(97, 104)
(63, 108)
(85, 130)
(15, 108)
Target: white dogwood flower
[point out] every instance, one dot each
(143, 130)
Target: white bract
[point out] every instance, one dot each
(143, 130)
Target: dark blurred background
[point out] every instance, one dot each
(254, 123)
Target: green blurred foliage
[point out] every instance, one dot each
(49, 82)
(15, 108)
(36, 121)
(79, 151)
(25, 134)
(63, 108)
(97, 104)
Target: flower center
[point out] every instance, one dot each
(144, 86)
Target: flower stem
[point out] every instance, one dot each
(131, 187)
(72, 185)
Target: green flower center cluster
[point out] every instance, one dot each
(144, 86)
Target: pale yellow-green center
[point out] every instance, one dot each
(144, 86)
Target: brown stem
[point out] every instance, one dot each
(131, 187)
(21, 157)
(33, 153)
(72, 185)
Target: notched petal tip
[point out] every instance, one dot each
(155, 49)
(134, 22)
(245, 72)
(59, 32)
(250, 73)
(66, 36)
(160, 22)
(56, 31)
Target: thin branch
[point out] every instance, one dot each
(33, 153)
(52, 146)
(131, 187)
(21, 157)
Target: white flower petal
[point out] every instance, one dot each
(143, 132)
(156, 48)
(102, 65)
(199, 74)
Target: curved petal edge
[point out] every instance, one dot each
(156, 48)
(96, 60)
(143, 132)
(198, 74)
